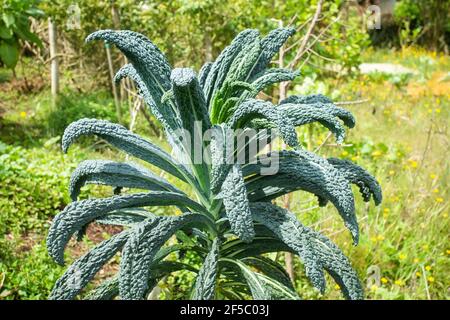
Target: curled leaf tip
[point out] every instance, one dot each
(182, 76)
(97, 35)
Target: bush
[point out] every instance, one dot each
(422, 22)
(425, 22)
(26, 273)
(34, 185)
(72, 106)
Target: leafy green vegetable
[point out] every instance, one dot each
(227, 219)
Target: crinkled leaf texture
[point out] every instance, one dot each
(304, 171)
(85, 268)
(125, 140)
(253, 108)
(151, 71)
(310, 245)
(227, 217)
(80, 213)
(144, 242)
(116, 174)
(236, 204)
(205, 284)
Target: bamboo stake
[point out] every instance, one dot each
(289, 262)
(123, 95)
(288, 256)
(113, 84)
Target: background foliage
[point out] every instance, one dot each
(401, 135)
(15, 28)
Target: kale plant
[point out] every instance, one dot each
(227, 217)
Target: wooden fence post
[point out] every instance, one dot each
(54, 72)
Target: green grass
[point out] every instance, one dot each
(401, 137)
(26, 270)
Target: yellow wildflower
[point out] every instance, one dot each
(418, 274)
(402, 256)
(344, 153)
(384, 280)
(399, 282)
(413, 164)
(425, 247)
(374, 288)
(105, 235)
(433, 176)
(354, 158)
(436, 190)
(391, 172)
(416, 260)
(439, 199)
(430, 279)
(23, 114)
(448, 251)
(376, 153)
(445, 215)
(337, 287)
(438, 110)
(428, 268)
(380, 237)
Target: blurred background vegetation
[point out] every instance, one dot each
(395, 80)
